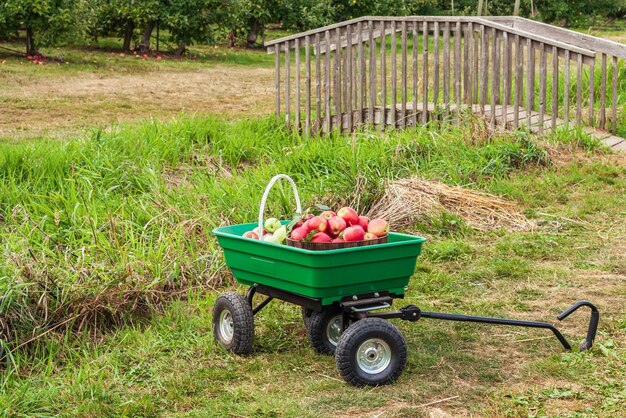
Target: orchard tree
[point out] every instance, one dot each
(46, 21)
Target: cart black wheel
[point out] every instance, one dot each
(324, 329)
(371, 352)
(233, 323)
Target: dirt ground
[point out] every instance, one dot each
(63, 105)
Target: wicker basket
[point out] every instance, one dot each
(307, 245)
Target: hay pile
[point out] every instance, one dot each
(408, 201)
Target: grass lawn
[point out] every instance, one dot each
(108, 273)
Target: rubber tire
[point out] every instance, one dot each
(353, 337)
(316, 329)
(243, 322)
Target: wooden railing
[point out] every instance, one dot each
(401, 71)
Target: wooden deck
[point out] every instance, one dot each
(411, 118)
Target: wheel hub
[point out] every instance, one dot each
(373, 356)
(333, 330)
(226, 325)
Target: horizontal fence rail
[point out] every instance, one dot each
(396, 72)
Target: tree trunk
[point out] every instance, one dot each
(480, 8)
(516, 8)
(31, 47)
(144, 45)
(231, 39)
(255, 27)
(181, 49)
(128, 35)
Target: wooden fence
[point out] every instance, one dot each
(401, 71)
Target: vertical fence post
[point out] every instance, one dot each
(579, 88)
(373, 93)
(614, 97)
(495, 82)
(466, 67)
(383, 76)
(530, 81)
(566, 87)
(337, 89)
(307, 85)
(349, 75)
(457, 65)
(484, 69)
(425, 72)
(287, 84)
(555, 86)
(297, 82)
(327, 115)
(415, 44)
(404, 74)
(277, 76)
(519, 69)
(446, 67)
(603, 94)
(436, 66)
(361, 73)
(592, 85)
(318, 82)
(394, 74)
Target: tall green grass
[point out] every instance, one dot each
(99, 228)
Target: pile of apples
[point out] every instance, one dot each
(273, 232)
(344, 226)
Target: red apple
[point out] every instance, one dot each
(353, 233)
(318, 223)
(256, 231)
(321, 237)
(369, 236)
(298, 234)
(251, 235)
(336, 225)
(349, 215)
(378, 227)
(363, 222)
(327, 214)
(338, 240)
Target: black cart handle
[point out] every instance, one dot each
(593, 322)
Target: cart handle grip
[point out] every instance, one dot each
(267, 192)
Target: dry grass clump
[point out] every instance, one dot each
(407, 201)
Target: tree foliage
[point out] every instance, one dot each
(47, 22)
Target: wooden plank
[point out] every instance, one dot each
(277, 80)
(425, 72)
(579, 87)
(372, 73)
(571, 37)
(287, 87)
(307, 85)
(566, 87)
(348, 103)
(466, 67)
(362, 74)
(318, 80)
(592, 96)
(603, 94)
(337, 89)
(414, 46)
(457, 64)
(506, 74)
(495, 71)
(530, 80)
(394, 74)
(484, 69)
(446, 67)
(475, 59)
(383, 77)
(404, 75)
(555, 86)
(614, 97)
(297, 84)
(519, 69)
(327, 115)
(436, 64)
(542, 84)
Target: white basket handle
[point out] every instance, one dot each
(267, 192)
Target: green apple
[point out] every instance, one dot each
(271, 238)
(281, 233)
(271, 225)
